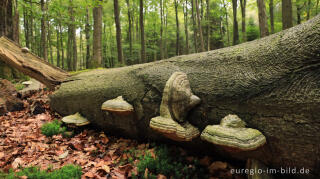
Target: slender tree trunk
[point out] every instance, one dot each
(235, 23)
(208, 25)
(130, 28)
(15, 23)
(50, 42)
(32, 39)
(271, 16)
(227, 21)
(143, 45)
(74, 42)
(44, 50)
(177, 29)
(299, 8)
(308, 9)
(243, 4)
(61, 45)
(194, 22)
(199, 27)
(81, 49)
(185, 9)
(263, 21)
(97, 37)
(161, 30)
(286, 14)
(87, 32)
(58, 47)
(317, 6)
(26, 26)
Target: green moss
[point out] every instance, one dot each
(19, 86)
(66, 172)
(52, 128)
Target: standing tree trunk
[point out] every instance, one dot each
(227, 21)
(271, 16)
(161, 30)
(26, 26)
(50, 42)
(299, 8)
(308, 9)
(97, 37)
(235, 23)
(317, 6)
(143, 45)
(185, 9)
(118, 31)
(61, 45)
(286, 14)
(87, 31)
(58, 47)
(177, 29)
(15, 23)
(208, 25)
(130, 28)
(199, 27)
(194, 22)
(243, 4)
(263, 21)
(74, 42)
(44, 50)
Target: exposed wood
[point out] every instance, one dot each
(30, 64)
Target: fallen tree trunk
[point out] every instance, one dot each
(273, 84)
(29, 64)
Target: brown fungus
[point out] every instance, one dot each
(118, 106)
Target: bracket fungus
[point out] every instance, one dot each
(177, 100)
(232, 134)
(118, 106)
(76, 119)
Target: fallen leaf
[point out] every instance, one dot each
(89, 175)
(216, 166)
(160, 176)
(64, 155)
(16, 163)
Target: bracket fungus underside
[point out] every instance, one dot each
(118, 106)
(232, 134)
(76, 119)
(177, 100)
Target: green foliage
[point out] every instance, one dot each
(169, 164)
(66, 172)
(19, 86)
(252, 30)
(52, 128)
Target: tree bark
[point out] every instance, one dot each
(271, 83)
(44, 50)
(58, 47)
(118, 31)
(286, 14)
(227, 22)
(143, 43)
(30, 64)
(195, 34)
(263, 21)
(199, 27)
(97, 37)
(87, 31)
(208, 25)
(130, 28)
(235, 23)
(177, 29)
(185, 13)
(308, 9)
(161, 30)
(243, 4)
(271, 16)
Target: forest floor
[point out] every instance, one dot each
(22, 145)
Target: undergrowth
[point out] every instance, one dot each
(52, 128)
(170, 164)
(66, 172)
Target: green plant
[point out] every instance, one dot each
(66, 172)
(52, 128)
(19, 86)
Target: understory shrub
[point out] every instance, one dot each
(52, 128)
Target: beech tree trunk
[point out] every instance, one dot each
(118, 31)
(143, 43)
(243, 4)
(263, 21)
(97, 38)
(44, 50)
(286, 14)
(199, 27)
(235, 23)
(271, 16)
(272, 83)
(177, 29)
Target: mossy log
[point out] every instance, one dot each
(273, 84)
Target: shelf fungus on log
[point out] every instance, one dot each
(232, 135)
(118, 106)
(76, 119)
(177, 100)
